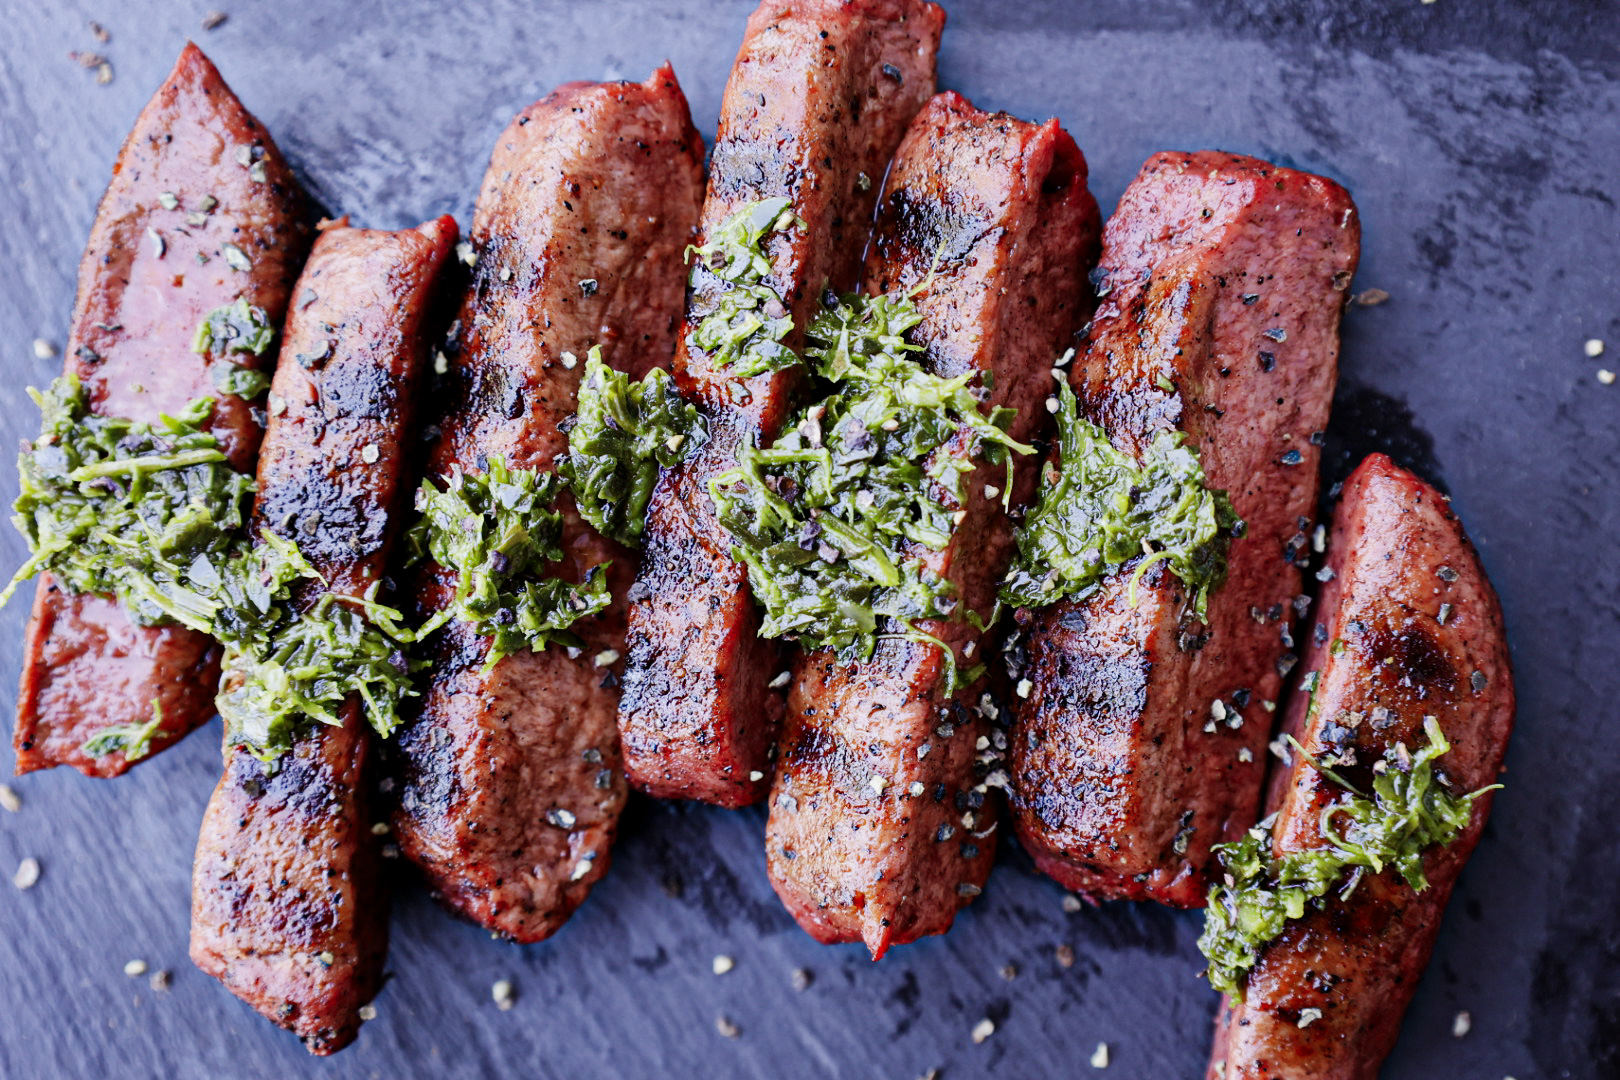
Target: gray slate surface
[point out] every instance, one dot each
(1480, 140)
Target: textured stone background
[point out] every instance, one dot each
(1480, 140)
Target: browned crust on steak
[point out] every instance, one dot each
(86, 666)
(1399, 555)
(1119, 790)
(818, 99)
(288, 909)
(598, 181)
(1003, 206)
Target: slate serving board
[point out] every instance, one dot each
(1482, 143)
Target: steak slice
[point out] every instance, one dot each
(818, 100)
(147, 279)
(598, 182)
(287, 907)
(1222, 282)
(1409, 628)
(880, 828)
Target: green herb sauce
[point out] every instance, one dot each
(1408, 813)
(746, 323)
(245, 383)
(497, 531)
(135, 740)
(830, 518)
(1100, 508)
(147, 513)
(284, 670)
(623, 432)
(235, 328)
(153, 515)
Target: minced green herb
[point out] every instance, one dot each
(1408, 813)
(1100, 508)
(623, 432)
(235, 328)
(497, 531)
(147, 513)
(287, 666)
(153, 515)
(244, 382)
(746, 321)
(297, 668)
(825, 518)
(135, 740)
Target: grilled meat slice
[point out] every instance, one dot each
(818, 100)
(598, 182)
(1408, 628)
(880, 828)
(287, 905)
(1222, 282)
(149, 275)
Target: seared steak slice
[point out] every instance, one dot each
(1222, 281)
(287, 907)
(599, 183)
(880, 828)
(1409, 628)
(819, 98)
(147, 279)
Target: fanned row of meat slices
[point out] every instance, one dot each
(1125, 737)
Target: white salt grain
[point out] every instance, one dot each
(27, 875)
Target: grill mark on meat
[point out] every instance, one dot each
(1359, 960)
(319, 500)
(1007, 204)
(288, 909)
(86, 666)
(1118, 790)
(820, 95)
(597, 181)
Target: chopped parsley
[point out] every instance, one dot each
(135, 740)
(830, 520)
(1409, 812)
(235, 328)
(745, 322)
(1099, 508)
(623, 432)
(147, 513)
(243, 382)
(153, 515)
(497, 532)
(288, 669)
